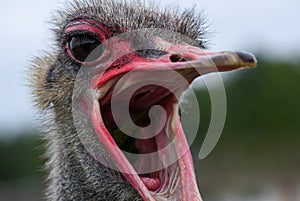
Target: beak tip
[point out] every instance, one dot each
(247, 58)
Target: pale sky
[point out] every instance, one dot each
(270, 26)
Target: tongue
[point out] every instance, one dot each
(151, 183)
(144, 147)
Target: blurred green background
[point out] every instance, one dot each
(257, 156)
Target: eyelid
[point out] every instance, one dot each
(88, 27)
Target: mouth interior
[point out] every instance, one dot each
(163, 181)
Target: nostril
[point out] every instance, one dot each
(175, 57)
(179, 58)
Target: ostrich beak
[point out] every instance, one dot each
(162, 168)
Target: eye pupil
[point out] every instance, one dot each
(86, 48)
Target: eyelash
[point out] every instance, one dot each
(68, 36)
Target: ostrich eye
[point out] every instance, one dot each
(86, 48)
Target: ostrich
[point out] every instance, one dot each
(83, 31)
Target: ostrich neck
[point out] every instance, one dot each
(73, 173)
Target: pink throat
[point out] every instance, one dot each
(148, 186)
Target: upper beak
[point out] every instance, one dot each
(189, 61)
(215, 62)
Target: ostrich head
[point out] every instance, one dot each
(103, 51)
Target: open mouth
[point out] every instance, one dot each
(136, 119)
(150, 146)
(143, 144)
